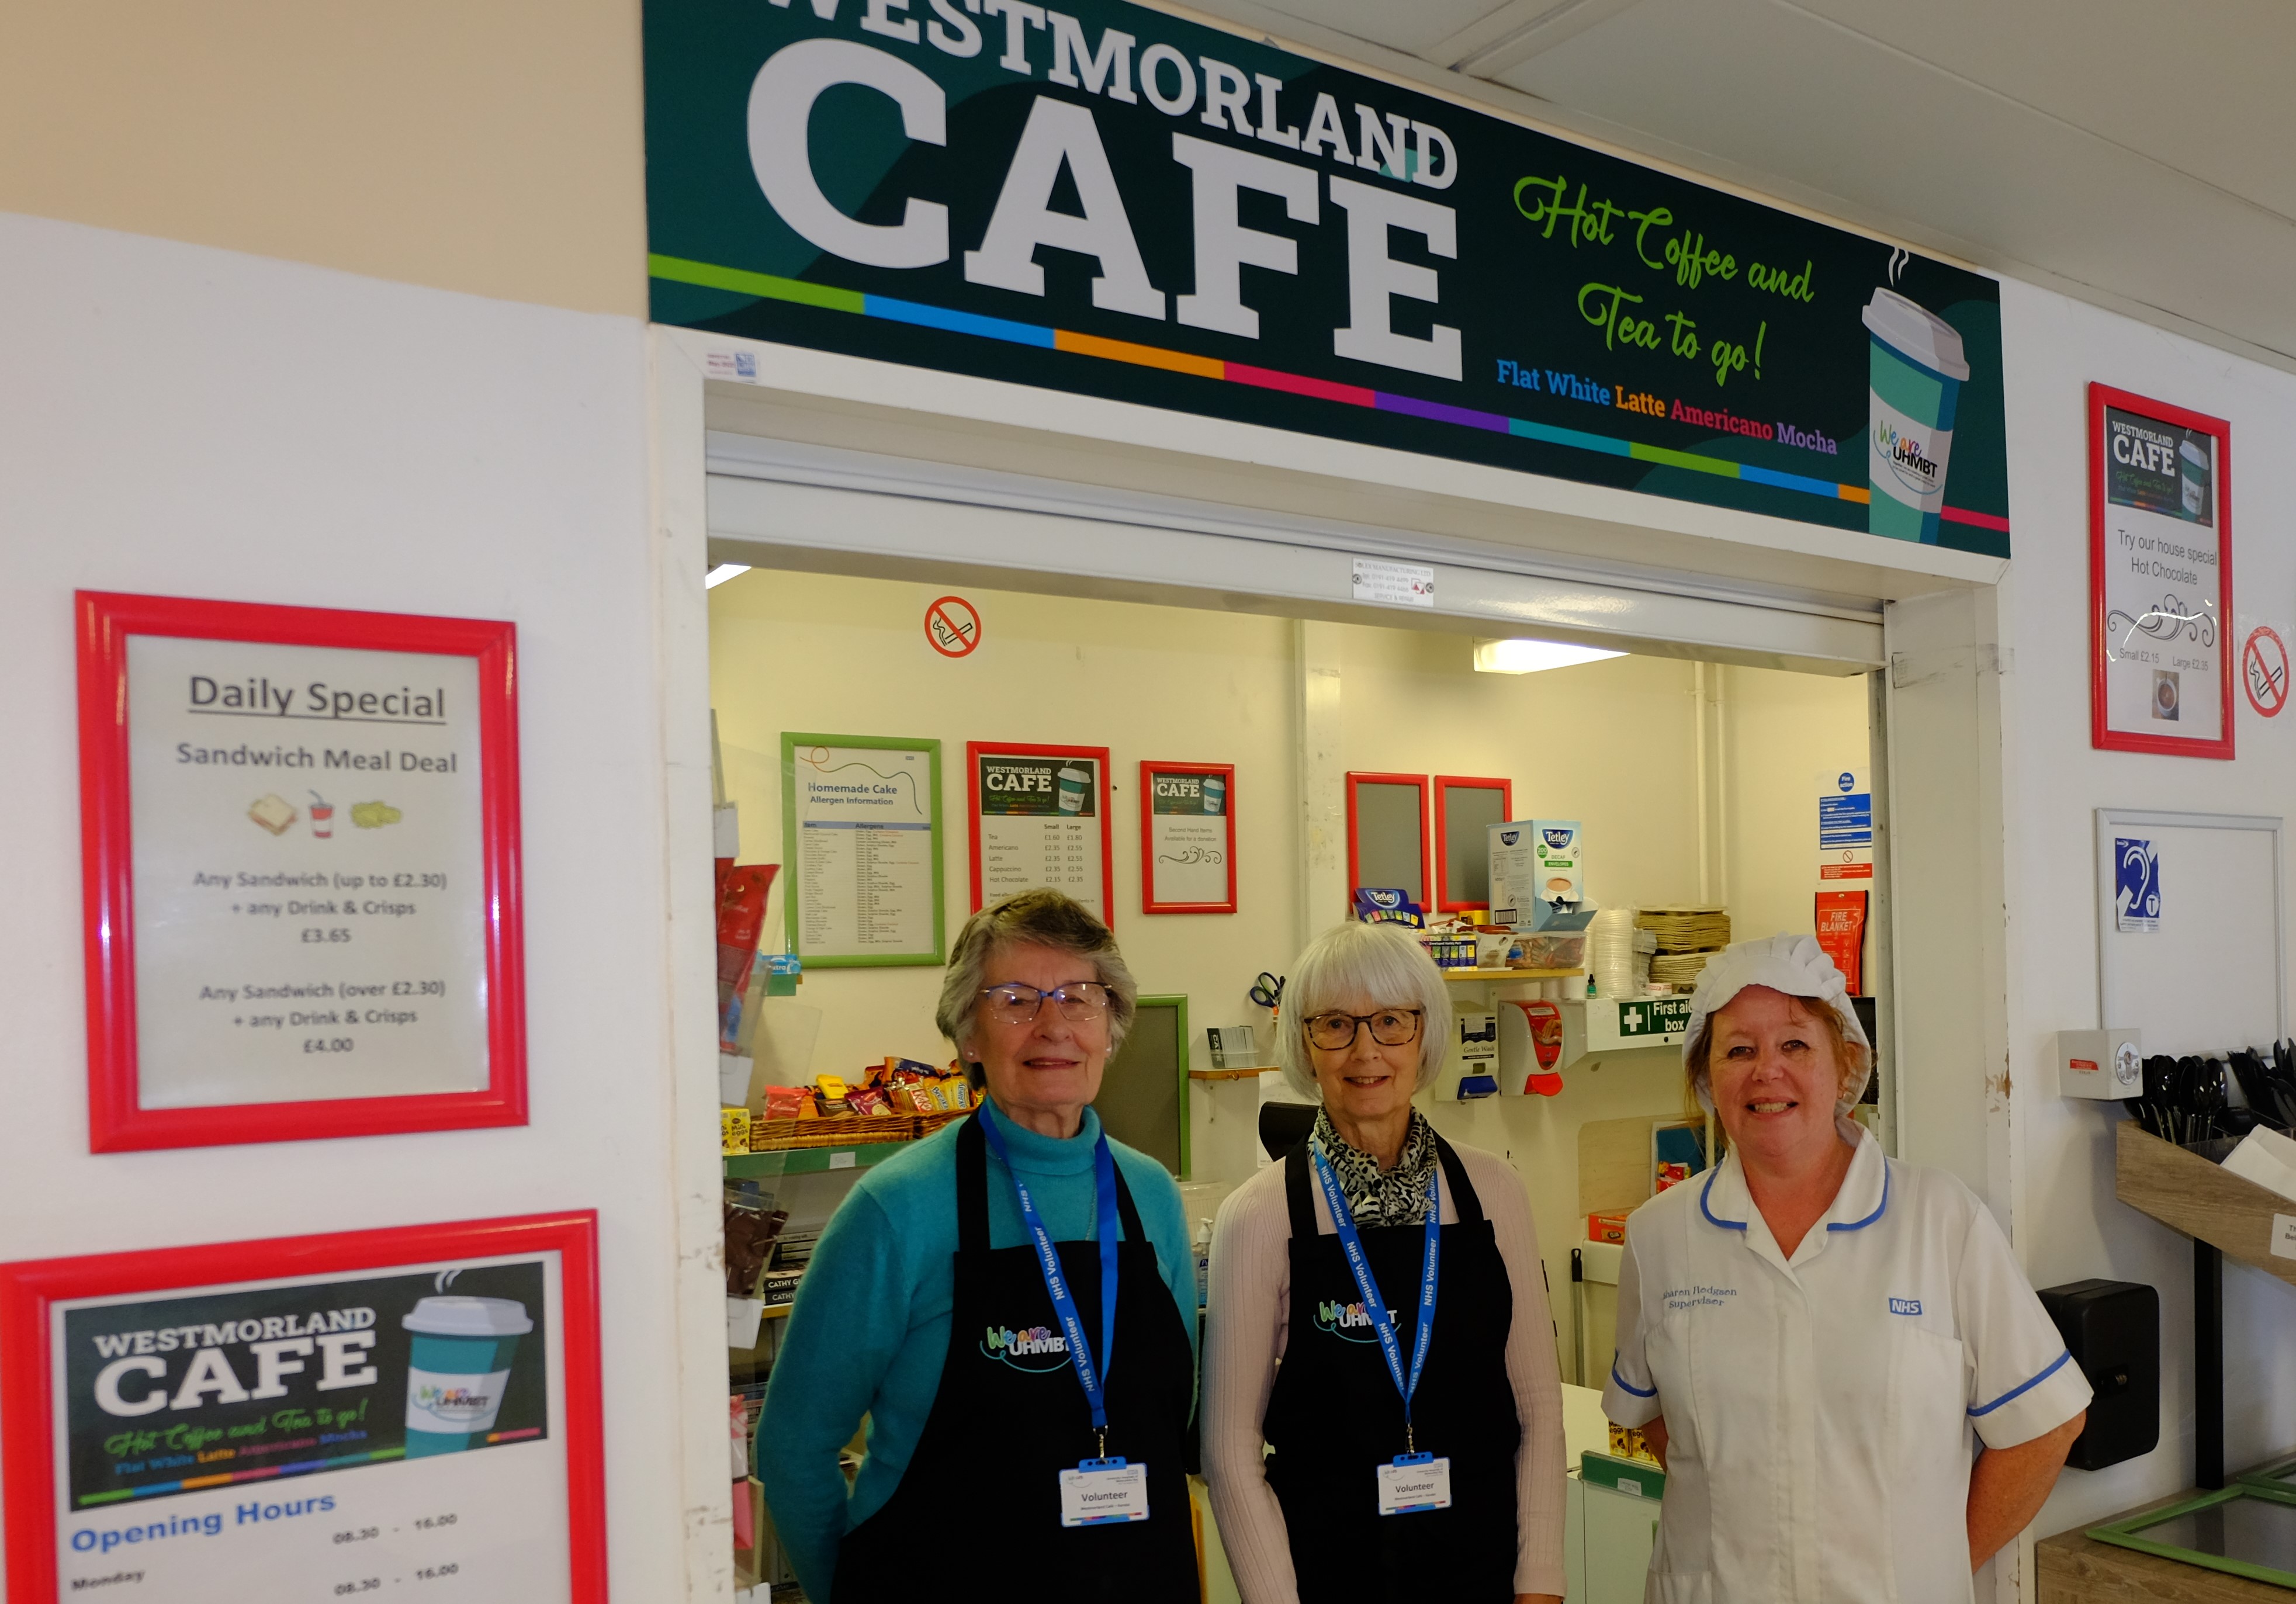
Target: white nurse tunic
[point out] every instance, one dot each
(1822, 1411)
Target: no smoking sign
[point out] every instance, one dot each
(2264, 671)
(953, 626)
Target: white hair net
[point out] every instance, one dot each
(1797, 966)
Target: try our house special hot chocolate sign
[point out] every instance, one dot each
(300, 839)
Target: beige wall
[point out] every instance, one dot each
(492, 146)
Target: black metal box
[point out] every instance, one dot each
(2112, 1329)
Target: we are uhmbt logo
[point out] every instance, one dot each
(1034, 1348)
(1908, 456)
(1346, 1321)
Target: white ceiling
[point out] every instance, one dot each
(2133, 152)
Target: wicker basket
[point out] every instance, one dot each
(927, 1123)
(839, 1131)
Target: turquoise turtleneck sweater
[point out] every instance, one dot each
(870, 1326)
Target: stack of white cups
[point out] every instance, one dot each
(1611, 954)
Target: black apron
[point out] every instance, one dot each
(978, 1511)
(1334, 1416)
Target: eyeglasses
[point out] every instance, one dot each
(1389, 1027)
(1080, 1001)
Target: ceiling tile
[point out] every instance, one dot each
(1409, 28)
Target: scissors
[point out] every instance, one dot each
(1266, 989)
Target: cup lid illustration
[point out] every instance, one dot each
(2193, 453)
(1915, 333)
(453, 1316)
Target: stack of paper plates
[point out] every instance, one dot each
(1688, 928)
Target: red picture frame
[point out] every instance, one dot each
(1445, 903)
(2101, 398)
(30, 1289)
(975, 751)
(116, 1120)
(1418, 781)
(1225, 773)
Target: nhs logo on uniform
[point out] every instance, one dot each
(1904, 1305)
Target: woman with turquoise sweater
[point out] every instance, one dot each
(1011, 1302)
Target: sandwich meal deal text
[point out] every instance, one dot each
(309, 898)
(394, 1434)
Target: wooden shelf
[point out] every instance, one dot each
(2187, 1193)
(2073, 1567)
(1230, 1075)
(807, 1161)
(1511, 974)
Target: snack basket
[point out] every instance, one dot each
(843, 1130)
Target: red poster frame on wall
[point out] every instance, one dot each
(975, 751)
(2102, 739)
(1445, 903)
(117, 1122)
(28, 1290)
(1148, 773)
(1426, 841)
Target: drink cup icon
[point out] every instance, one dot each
(1215, 794)
(323, 818)
(1915, 366)
(1076, 784)
(2195, 463)
(463, 1351)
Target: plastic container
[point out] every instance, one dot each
(1552, 949)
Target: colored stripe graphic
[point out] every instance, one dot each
(193, 1483)
(707, 275)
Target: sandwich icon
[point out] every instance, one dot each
(275, 812)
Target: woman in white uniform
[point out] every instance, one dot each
(1815, 1337)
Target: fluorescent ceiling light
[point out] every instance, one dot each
(722, 573)
(1529, 657)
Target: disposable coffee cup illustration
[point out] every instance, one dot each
(461, 1362)
(1076, 784)
(1916, 368)
(1215, 794)
(2195, 464)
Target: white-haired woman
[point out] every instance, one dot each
(1003, 1303)
(1378, 1319)
(1815, 1338)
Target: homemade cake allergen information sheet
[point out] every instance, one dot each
(310, 918)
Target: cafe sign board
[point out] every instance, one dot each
(300, 861)
(1112, 201)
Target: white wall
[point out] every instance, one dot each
(2069, 1225)
(821, 653)
(187, 422)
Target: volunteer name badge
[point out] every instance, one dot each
(1414, 1483)
(1103, 1493)
(301, 840)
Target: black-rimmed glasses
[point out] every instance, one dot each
(1337, 1032)
(1080, 1001)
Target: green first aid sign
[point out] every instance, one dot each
(1109, 200)
(1657, 1017)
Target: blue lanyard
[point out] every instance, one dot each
(1382, 1319)
(1048, 1260)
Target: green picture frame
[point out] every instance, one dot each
(820, 754)
(2128, 1531)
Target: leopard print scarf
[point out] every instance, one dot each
(1377, 1197)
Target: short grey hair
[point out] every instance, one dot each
(1042, 918)
(1378, 962)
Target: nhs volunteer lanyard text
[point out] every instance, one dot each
(1382, 1319)
(1094, 1378)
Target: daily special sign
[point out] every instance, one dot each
(401, 1412)
(1111, 201)
(301, 842)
